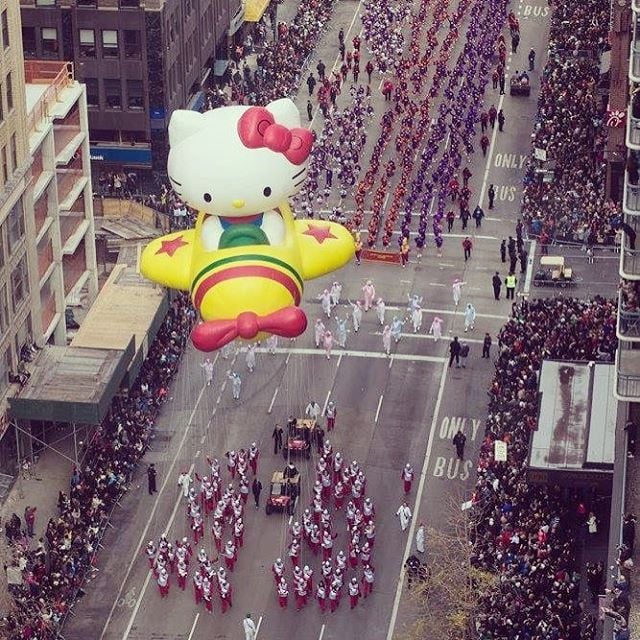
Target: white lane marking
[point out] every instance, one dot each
(326, 400)
(390, 361)
(143, 536)
(437, 284)
(335, 64)
(494, 135)
(290, 519)
(360, 354)
(258, 626)
(529, 274)
(275, 395)
(414, 519)
(321, 632)
(379, 407)
(193, 627)
(339, 360)
(426, 336)
(140, 597)
(447, 312)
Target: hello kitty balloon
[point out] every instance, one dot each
(246, 261)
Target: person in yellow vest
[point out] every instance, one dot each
(358, 247)
(404, 252)
(510, 283)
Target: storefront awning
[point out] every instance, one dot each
(254, 9)
(72, 385)
(123, 155)
(575, 434)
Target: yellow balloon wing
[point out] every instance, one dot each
(324, 247)
(167, 260)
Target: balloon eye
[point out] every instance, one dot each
(207, 197)
(267, 192)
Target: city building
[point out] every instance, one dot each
(628, 325)
(47, 253)
(139, 59)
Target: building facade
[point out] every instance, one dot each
(139, 59)
(628, 329)
(43, 140)
(63, 244)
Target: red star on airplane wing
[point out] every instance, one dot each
(319, 233)
(171, 246)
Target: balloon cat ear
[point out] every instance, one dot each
(183, 125)
(285, 112)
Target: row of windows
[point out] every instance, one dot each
(112, 94)
(124, 4)
(110, 44)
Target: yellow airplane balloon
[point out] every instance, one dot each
(246, 260)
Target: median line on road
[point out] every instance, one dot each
(193, 627)
(414, 519)
(143, 536)
(379, 407)
(140, 597)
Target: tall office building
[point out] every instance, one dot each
(47, 251)
(139, 59)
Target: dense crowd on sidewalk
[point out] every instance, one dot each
(569, 129)
(528, 533)
(54, 567)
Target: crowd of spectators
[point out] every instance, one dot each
(569, 128)
(52, 572)
(528, 533)
(279, 62)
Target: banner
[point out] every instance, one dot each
(392, 257)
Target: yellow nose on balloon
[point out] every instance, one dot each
(238, 204)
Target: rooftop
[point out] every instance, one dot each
(70, 384)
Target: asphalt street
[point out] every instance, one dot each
(391, 410)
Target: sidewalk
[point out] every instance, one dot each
(50, 475)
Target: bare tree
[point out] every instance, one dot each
(449, 593)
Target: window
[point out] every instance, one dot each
(15, 220)
(45, 3)
(49, 42)
(20, 282)
(1, 105)
(5, 368)
(29, 42)
(5, 30)
(87, 3)
(4, 309)
(3, 162)
(13, 150)
(132, 44)
(87, 43)
(109, 43)
(93, 92)
(113, 94)
(9, 92)
(129, 4)
(135, 95)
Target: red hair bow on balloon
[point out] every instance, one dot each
(257, 129)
